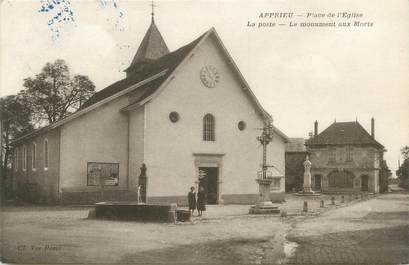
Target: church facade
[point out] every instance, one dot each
(179, 119)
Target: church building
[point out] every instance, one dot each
(179, 119)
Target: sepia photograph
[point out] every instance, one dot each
(204, 132)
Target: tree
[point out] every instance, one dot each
(405, 152)
(403, 170)
(52, 95)
(384, 176)
(15, 119)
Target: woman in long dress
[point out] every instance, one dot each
(192, 200)
(201, 200)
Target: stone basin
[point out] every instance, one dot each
(134, 211)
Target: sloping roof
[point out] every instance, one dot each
(168, 62)
(151, 48)
(148, 80)
(341, 133)
(296, 145)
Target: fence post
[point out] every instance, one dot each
(305, 207)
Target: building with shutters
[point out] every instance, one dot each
(345, 158)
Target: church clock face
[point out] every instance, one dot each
(209, 76)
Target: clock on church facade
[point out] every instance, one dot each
(209, 76)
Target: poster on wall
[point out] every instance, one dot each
(105, 174)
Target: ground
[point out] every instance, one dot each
(370, 230)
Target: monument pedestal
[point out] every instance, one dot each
(264, 204)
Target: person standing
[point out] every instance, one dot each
(201, 201)
(191, 197)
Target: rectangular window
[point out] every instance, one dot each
(332, 156)
(349, 154)
(33, 157)
(340, 155)
(102, 174)
(45, 154)
(24, 158)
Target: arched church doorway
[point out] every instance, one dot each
(364, 182)
(341, 179)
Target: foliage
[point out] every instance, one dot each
(15, 121)
(403, 170)
(385, 174)
(48, 97)
(52, 95)
(405, 152)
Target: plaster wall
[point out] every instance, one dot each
(174, 151)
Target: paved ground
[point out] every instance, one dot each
(368, 231)
(375, 231)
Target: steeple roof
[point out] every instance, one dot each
(151, 48)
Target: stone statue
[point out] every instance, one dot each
(143, 170)
(142, 181)
(307, 175)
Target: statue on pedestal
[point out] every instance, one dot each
(307, 190)
(142, 182)
(307, 176)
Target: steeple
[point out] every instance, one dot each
(151, 48)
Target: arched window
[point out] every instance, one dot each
(16, 159)
(341, 179)
(33, 157)
(45, 154)
(208, 128)
(24, 158)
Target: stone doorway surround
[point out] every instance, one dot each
(210, 160)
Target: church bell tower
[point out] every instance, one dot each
(151, 48)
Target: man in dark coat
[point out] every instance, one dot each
(191, 197)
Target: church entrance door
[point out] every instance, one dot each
(208, 178)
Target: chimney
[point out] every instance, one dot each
(373, 128)
(315, 128)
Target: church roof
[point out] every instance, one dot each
(168, 62)
(147, 82)
(342, 133)
(151, 48)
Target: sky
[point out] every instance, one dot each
(299, 74)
